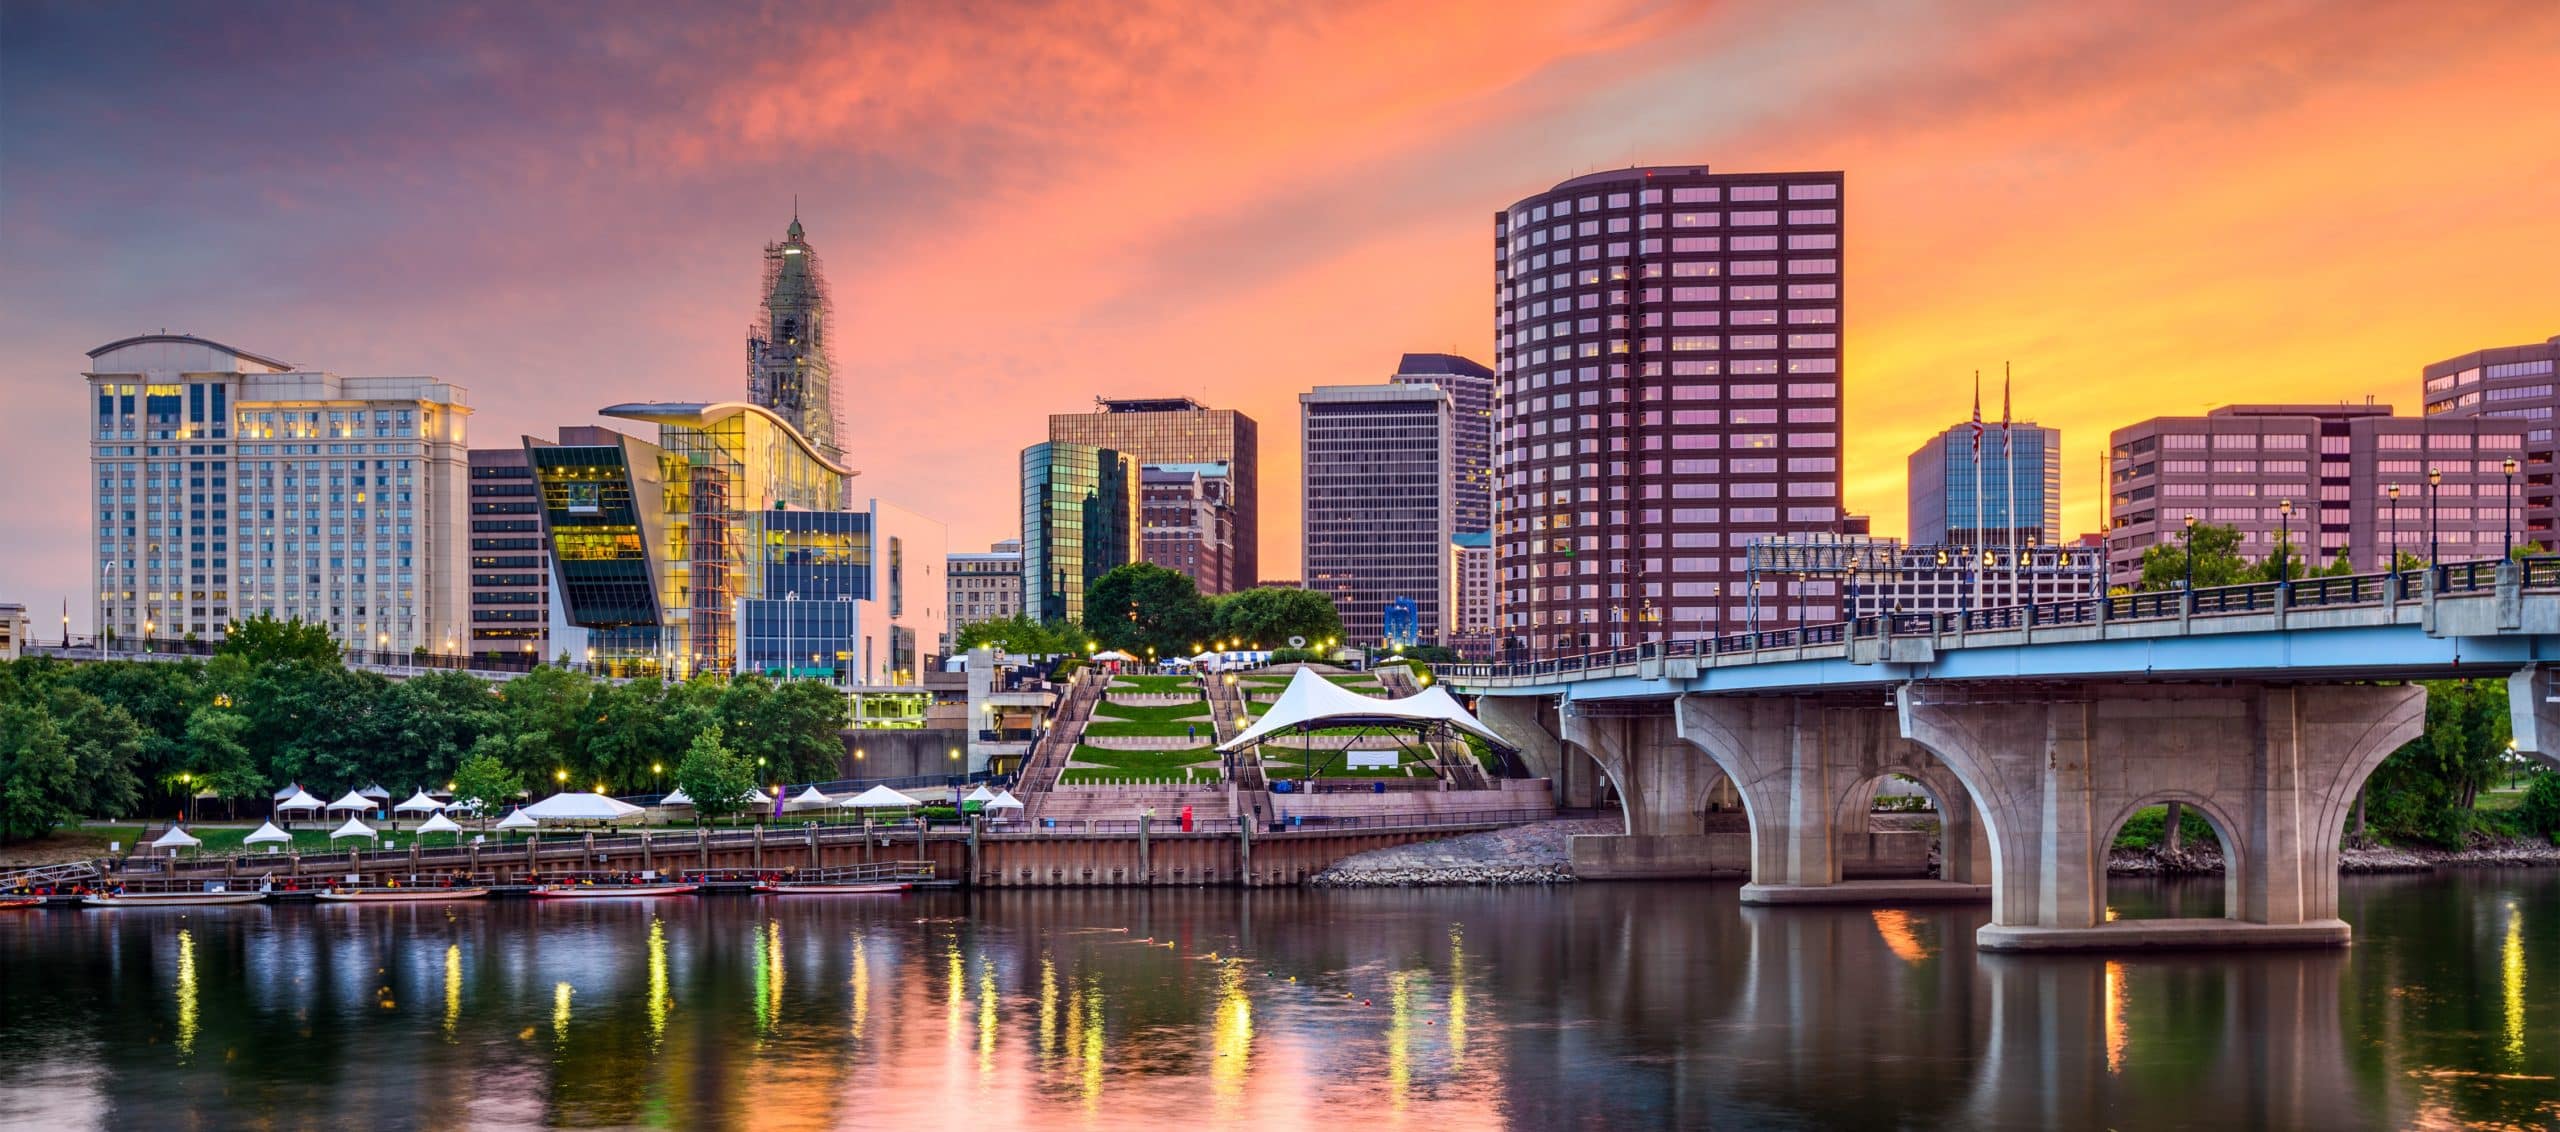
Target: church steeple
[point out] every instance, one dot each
(787, 366)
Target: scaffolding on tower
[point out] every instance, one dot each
(788, 369)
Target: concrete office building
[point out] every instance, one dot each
(1178, 430)
(1379, 512)
(231, 484)
(1882, 575)
(1079, 521)
(1955, 502)
(2510, 383)
(1470, 387)
(13, 631)
(510, 569)
(1669, 352)
(1474, 614)
(2338, 466)
(984, 586)
(1188, 523)
(725, 546)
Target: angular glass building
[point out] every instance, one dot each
(1079, 521)
(727, 546)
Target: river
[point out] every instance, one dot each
(1592, 1006)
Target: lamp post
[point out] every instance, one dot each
(2284, 541)
(2507, 505)
(2391, 534)
(2191, 558)
(2434, 477)
(1851, 605)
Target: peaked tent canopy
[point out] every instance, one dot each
(439, 824)
(299, 801)
(353, 828)
(177, 838)
(353, 801)
(1005, 801)
(418, 803)
(810, 799)
(676, 798)
(267, 834)
(981, 794)
(516, 819)
(882, 798)
(375, 790)
(573, 806)
(1112, 654)
(759, 798)
(1313, 701)
(289, 791)
(463, 806)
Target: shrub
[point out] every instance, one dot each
(2539, 815)
(2147, 827)
(1295, 656)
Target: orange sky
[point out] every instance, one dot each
(2147, 208)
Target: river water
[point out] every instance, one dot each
(1593, 1006)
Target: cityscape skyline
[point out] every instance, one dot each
(2290, 316)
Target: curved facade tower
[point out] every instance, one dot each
(787, 366)
(1668, 390)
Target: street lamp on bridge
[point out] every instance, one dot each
(2191, 554)
(2507, 504)
(2434, 476)
(2284, 540)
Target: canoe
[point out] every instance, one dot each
(173, 899)
(821, 888)
(403, 895)
(20, 901)
(604, 891)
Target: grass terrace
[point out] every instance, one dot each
(1157, 713)
(1154, 685)
(1109, 766)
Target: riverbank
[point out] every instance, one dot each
(1526, 854)
(2206, 860)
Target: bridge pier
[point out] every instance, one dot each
(1807, 771)
(1530, 723)
(2057, 769)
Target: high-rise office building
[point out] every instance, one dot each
(1379, 511)
(510, 569)
(1473, 617)
(1189, 523)
(1079, 521)
(2356, 478)
(984, 586)
(1955, 501)
(1470, 387)
(2510, 383)
(788, 370)
(1669, 356)
(1179, 430)
(231, 484)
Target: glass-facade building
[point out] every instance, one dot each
(1177, 430)
(2012, 498)
(1470, 386)
(1379, 509)
(1080, 519)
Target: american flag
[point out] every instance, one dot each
(2005, 442)
(1977, 413)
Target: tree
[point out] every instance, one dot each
(2217, 561)
(715, 778)
(265, 640)
(1270, 615)
(38, 781)
(1142, 608)
(1022, 636)
(796, 727)
(2426, 789)
(217, 758)
(485, 779)
(434, 720)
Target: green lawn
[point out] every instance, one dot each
(1160, 713)
(1155, 685)
(1154, 766)
(1289, 762)
(1148, 728)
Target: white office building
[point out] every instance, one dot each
(231, 484)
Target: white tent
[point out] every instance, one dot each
(981, 794)
(268, 834)
(439, 824)
(759, 798)
(353, 801)
(463, 806)
(299, 802)
(882, 798)
(809, 799)
(177, 838)
(577, 806)
(375, 791)
(1113, 654)
(288, 791)
(418, 803)
(353, 828)
(1314, 701)
(516, 819)
(678, 798)
(1005, 801)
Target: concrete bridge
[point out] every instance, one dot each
(2038, 730)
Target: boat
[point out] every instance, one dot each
(605, 891)
(400, 895)
(826, 888)
(20, 901)
(170, 899)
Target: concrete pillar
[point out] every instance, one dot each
(2533, 703)
(1528, 723)
(2275, 769)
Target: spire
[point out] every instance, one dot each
(794, 232)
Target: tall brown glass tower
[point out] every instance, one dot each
(1179, 430)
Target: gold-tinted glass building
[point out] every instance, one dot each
(1179, 430)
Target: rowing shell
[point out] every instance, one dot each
(173, 899)
(404, 895)
(604, 891)
(820, 889)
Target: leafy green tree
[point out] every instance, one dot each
(2425, 790)
(38, 780)
(715, 777)
(1022, 635)
(1270, 615)
(265, 640)
(796, 727)
(434, 720)
(623, 737)
(544, 717)
(106, 746)
(217, 755)
(1143, 608)
(2216, 553)
(484, 777)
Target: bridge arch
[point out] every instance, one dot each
(2238, 870)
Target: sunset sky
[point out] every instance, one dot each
(2147, 208)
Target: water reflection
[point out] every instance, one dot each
(1612, 1006)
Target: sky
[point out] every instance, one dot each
(2143, 208)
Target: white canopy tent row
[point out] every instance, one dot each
(579, 806)
(299, 803)
(418, 803)
(679, 798)
(352, 803)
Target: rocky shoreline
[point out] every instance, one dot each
(2206, 860)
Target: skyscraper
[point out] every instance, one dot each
(1955, 501)
(1079, 521)
(1470, 387)
(1179, 430)
(788, 370)
(2513, 383)
(231, 484)
(1378, 504)
(1669, 355)
(510, 571)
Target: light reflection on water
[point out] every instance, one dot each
(1622, 1006)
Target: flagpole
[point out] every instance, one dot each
(1973, 552)
(2009, 464)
